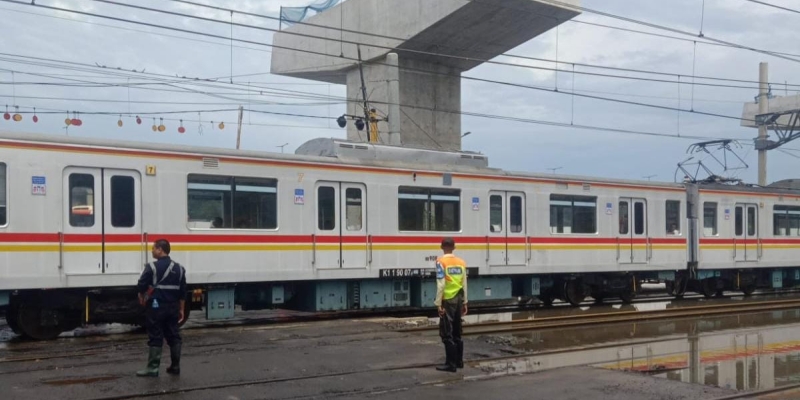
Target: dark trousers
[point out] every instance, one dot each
(450, 327)
(162, 323)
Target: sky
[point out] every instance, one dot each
(70, 47)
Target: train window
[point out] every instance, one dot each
(81, 200)
(638, 218)
(710, 219)
(3, 201)
(573, 214)
(423, 209)
(739, 221)
(255, 203)
(751, 221)
(495, 213)
(624, 219)
(786, 221)
(123, 201)
(515, 214)
(353, 209)
(232, 202)
(326, 208)
(673, 217)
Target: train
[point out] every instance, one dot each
(341, 225)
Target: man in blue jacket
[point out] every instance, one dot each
(162, 289)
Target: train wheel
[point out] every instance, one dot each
(670, 287)
(627, 297)
(749, 289)
(708, 288)
(679, 286)
(36, 322)
(12, 318)
(573, 292)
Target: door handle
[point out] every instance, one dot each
(760, 248)
(60, 250)
(313, 249)
(369, 249)
(487, 249)
(528, 248)
(734, 248)
(618, 249)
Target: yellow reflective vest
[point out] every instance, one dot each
(452, 271)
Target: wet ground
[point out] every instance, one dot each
(366, 358)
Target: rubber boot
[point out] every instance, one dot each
(459, 355)
(450, 363)
(175, 355)
(153, 362)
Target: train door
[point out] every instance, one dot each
(507, 236)
(102, 222)
(745, 232)
(123, 249)
(633, 231)
(341, 233)
(82, 242)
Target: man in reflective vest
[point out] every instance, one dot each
(162, 289)
(451, 300)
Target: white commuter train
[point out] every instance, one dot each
(344, 225)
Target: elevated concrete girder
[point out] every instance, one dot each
(427, 86)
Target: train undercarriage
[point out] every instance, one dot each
(45, 314)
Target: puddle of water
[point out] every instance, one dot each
(752, 352)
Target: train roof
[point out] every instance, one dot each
(424, 160)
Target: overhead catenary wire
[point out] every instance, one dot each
(509, 55)
(591, 127)
(412, 51)
(665, 28)
(376, 63)
(764, 3)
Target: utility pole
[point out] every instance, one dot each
(763, 108)
(364, 93)
(239, 129)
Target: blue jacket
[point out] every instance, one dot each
(168, 290)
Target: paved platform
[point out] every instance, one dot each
(355, 359)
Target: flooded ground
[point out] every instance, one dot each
(741, 352)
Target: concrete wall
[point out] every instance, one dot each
(394, 18)
(421, 93)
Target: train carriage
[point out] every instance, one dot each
(748, 237)
(336, 226)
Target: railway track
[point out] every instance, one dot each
(570, 321)
(532, 305)
(483, 364)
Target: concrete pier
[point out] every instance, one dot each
(414, 53)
